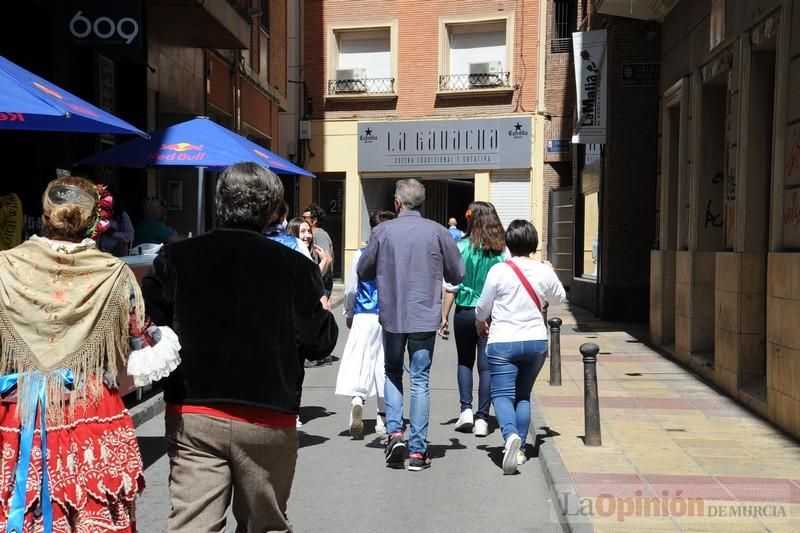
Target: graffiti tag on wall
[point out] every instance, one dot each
(713, 209)
(791, 219)
(792, 166)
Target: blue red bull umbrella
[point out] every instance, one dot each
(28, 102)
(198, 142)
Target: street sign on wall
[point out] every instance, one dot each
(640, 74)
(431, 145)
(558, 146)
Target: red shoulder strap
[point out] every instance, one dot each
(525, 283)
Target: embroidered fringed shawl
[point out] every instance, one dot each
(64, 306)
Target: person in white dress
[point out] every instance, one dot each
(361, 370)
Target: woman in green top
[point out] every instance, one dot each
(482, 246)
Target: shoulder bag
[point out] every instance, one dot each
(525, 283)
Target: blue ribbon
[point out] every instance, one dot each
(38, 384)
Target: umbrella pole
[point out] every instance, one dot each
(200, 196)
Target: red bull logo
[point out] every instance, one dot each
(182, 147)
(179, 152)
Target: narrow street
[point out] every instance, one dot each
(343, 485)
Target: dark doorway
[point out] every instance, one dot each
(330, 197)
(460, 194)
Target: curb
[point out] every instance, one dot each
(147, 409)
(562, 490)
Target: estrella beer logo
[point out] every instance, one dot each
(179, 152)
(518, 131)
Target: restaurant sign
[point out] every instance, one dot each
(102, 23)
(431, 145)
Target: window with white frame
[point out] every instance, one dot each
(363, 61)
(475, 56)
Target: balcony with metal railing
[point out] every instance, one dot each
(497, 81)
(367, 87)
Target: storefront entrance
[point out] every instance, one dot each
(444, 198)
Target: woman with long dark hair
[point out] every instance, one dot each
(302, 230)
(481, 248)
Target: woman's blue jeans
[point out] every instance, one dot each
(469, 345)
(514, 367)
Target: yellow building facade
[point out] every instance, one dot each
(335, 146)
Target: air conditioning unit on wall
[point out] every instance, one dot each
(486, 74)
(351, 80)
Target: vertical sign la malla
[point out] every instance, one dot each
(591, 77)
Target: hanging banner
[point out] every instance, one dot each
(591, 68)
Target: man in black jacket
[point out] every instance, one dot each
(246, 310)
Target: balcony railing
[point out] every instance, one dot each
(369, 86)
(468, 82)
(561, 45)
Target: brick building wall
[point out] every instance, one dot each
(278, 63)
(629, 191)
(418, 57)
(559, 104)
(628, 182)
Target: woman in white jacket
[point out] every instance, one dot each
(517, 345)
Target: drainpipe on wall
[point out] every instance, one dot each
(237, 92)
(541, 108)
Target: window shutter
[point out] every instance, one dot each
(511, 195)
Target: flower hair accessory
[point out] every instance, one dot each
(105, 209)
(468, 214)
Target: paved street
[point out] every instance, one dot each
(343, 485)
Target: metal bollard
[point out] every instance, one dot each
(591, 402)
(555, 351)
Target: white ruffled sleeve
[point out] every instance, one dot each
(152, 363)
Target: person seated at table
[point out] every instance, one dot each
(153, 227)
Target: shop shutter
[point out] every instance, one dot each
(511, 196)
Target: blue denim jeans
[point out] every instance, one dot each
(420, 351)
(514, 367)
(469, 345)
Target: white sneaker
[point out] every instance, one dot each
(521, 459)
(510, 455)
(298, 424)
(465, 421)
(356, 418)
(481, 428)
(380, 425)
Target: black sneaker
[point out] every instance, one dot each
(395, 450)
(418, 461)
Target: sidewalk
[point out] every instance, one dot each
(676, 454)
